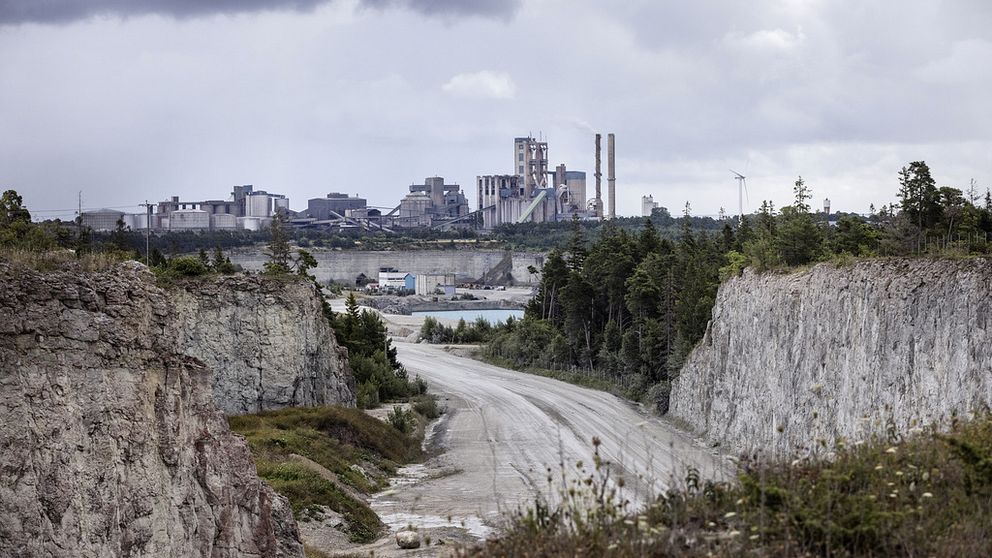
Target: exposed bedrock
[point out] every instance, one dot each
(798, 361)
(112, 444)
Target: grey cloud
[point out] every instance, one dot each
(66, 11)
(489, 8)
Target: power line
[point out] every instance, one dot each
(75, 209)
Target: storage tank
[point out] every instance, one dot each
(189, 219)
(258, 205)
(137, 221)
(250, 223)
(223, 221)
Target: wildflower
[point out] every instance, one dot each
(891, 450)
(879, 467)
(734, 533)
(898, 473)
(728, 515)
(927, 495)
(754, 537)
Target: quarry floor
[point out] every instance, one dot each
(504, 434)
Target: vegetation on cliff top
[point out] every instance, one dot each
(930, 495)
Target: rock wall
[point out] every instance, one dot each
(834, 353)
(343, 266)
(266, 341)
(111, 442)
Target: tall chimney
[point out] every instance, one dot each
(612, 179)
(599, 176)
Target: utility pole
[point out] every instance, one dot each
(79, 216)
(148, 227)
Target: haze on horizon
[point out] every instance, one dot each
(134, 100)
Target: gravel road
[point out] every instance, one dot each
(504, 429)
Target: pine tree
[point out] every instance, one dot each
(918, 195)
(278, 249)
(576, 246)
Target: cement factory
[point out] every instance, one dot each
(532, 192)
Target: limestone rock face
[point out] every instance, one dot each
(110, 441)
(266, 341)
(829, 353)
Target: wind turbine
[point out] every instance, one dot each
(741, 187)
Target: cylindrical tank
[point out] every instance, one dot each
(250, 223)
(189, 219)
(258, 205)
(223, 221)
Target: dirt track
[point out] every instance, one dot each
(505, 428)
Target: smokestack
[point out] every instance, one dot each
(612, 179)
(599, 176)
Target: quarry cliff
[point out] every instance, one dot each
(791, 363)
(112, 399)
(266, 341)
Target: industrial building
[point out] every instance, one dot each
(102, 219)
(390, 279)
(246, 209)
(430, 204)
(334, 205)
(435, 283)
(648, 205)
(188, 220)
(527, 196)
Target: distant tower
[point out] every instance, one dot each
(826, 206)
(598, 202)
(647, 205)
(611, 179)
(530, 161)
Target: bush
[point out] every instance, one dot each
(368, 395)
(427, 407)
(401, 420)
(186, 266)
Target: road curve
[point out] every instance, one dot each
(505, 428)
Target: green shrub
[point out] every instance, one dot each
(401, 420)
(368, 395)
(427, 407)
(184, 266)
(307, 490)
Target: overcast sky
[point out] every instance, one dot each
(128, 100)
